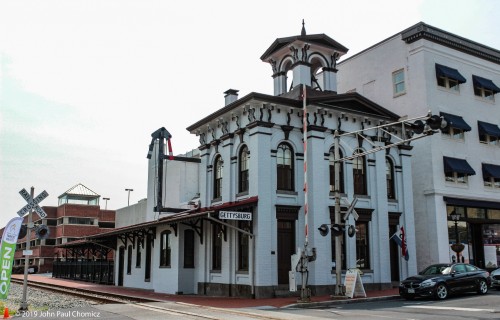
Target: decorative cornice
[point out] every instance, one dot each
(260, 124)
(427, 32)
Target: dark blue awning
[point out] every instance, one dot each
(456, 121)
(447, 72)
(471, 203)
(488, 128)
(485, 83)
(491, 171)
(458, 166)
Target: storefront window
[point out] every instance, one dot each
(494, 214)
(491, 241)
(476, 213)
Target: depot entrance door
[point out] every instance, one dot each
(286, 247)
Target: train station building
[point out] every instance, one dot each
(225, 218)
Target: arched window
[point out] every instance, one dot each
(332, 171)
(390, 178)
(359, 173)
(165, 249)
(243, 170)
(218, 177)
(285, 168)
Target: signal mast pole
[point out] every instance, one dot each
(24, 302)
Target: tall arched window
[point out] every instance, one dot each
(285, 168)
(243, 170)
(359, 173)
(332, 171)
(218, 177)
(391, 194)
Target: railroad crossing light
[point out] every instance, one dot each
(323, 230)
(433, 122)
(23, 231)
(351, 231)
(436, 122)
(42, 232)
(336, 229)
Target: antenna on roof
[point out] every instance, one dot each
(303, 32)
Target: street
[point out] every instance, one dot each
(467, 306)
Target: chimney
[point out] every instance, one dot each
(230, 96)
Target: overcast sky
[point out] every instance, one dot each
(83, 84)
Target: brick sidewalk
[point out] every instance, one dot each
(220, 302)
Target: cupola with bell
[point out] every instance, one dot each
(304, 59)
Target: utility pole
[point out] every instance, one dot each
(339, 287)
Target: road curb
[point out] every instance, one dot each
(329, 303)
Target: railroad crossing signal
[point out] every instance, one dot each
(32, 203)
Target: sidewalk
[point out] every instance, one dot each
(219, 302)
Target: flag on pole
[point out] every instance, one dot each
(400, 239)
(7, 250)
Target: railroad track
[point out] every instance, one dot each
(101, 298)
(187, 310)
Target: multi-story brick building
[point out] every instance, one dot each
(78, 214)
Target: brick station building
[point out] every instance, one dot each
(78, 214)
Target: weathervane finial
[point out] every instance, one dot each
(303, 32)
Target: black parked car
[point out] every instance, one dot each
(441, 280)
(495, 279)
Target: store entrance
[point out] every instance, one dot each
(476, 231)
(485, 245)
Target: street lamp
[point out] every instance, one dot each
(128, 203)
(457, 246)
(106, 206)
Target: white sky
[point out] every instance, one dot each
(83, 84)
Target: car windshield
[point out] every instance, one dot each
(436, 269)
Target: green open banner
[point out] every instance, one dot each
(7, 250)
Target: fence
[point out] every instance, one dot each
(84, 270)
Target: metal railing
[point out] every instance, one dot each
(84, 270)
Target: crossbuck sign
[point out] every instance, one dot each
(32, 203)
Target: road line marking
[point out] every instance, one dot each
(452, 308)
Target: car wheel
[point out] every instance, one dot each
(482, 287)
(441, 291)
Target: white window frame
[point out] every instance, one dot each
(447, 83)
(493, 183)
(457, 178)
(484, 94)
(454, 134)
(490, 140)
(395, 83)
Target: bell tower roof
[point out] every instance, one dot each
(321, 40)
